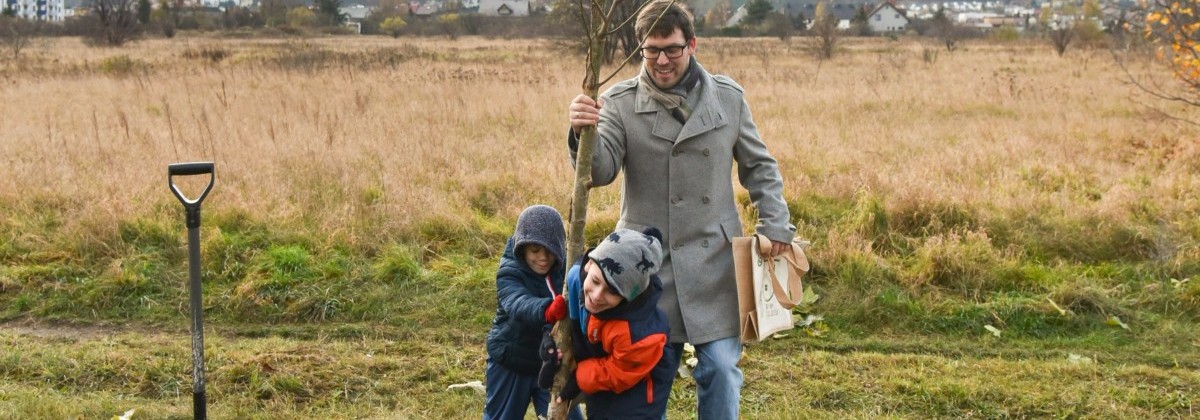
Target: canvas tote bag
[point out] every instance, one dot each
(768, 288)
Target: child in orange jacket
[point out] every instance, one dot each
(625, 367)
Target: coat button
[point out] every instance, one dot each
(705, 243)
(704, 200)
(675, 200)
(676, 246)
(705, 152)
(675, 153)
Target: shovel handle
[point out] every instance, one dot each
(190, 168)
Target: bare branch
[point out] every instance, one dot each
(640, 43)
(1167, 115)
(612, 9)
(587, 24)
(630, 18)
(596, 6)
(1155, 91)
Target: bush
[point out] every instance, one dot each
(730, 31)
(301, 17)
(397, 265)
(393, 25)
(451, 25)
(778, 26)
(1089, 34)
(1084, 297)
(121, 65)
(1006, 33)
(963, 262)
(113, 22)
(210, 53)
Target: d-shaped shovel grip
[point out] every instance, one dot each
(192, 205)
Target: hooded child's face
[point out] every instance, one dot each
(538, 258)
(597, 296)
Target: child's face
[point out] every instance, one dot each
(597, 297)
(538, 258)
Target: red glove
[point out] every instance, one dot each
(556, 310)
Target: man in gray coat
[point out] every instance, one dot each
(676, 130)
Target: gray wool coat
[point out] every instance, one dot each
(677, 178)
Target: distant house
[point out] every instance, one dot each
(887, 18)
(355, 16)
(424, 8)
(504, 7)
(51, 10)
(842, 10)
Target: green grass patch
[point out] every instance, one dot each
(347, 326)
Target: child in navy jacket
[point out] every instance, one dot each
(527, 285)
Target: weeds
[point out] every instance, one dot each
(211, 53)
(122, 66)
(350, 247)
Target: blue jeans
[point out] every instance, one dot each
(718, 379)
(509, 395)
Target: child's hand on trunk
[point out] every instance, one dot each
(556, 310)
(551, 358)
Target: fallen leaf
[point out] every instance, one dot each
(1116, 322)
(477, 386)
(1079, 360)
(1060, 310)
(995, 331)
(810, 320)
(778, 336)
(692, 362)
(684, 371)
(809, 297)
(127, 415)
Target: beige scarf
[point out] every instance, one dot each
(673, 99)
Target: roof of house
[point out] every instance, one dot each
(355, 12)
(881, 6)
(841, 9)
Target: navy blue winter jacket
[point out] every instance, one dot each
(628, 329)
(522, 297)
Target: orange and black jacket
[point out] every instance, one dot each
(626, 366)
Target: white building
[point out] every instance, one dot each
(887, 18)
(504, 7)
(52, 10)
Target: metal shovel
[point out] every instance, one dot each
(193, 225)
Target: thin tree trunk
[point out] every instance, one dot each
(578, 214)
(598, 31)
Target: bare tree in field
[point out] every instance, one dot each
(825, 32)
(1061, 36)
(116, 21)
(16, 34)
(600, 19)
(945, 29)
(622, 38)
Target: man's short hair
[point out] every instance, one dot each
(676, 16)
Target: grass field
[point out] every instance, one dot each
(366, 185)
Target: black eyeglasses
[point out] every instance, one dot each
(673, 51)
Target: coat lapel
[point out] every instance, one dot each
(708, 114)
(665, 126)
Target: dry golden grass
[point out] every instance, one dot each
(364, 139)
(1009, 128)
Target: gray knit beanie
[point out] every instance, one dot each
(542, 225)
(628, 258)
